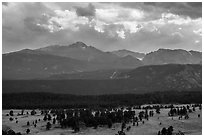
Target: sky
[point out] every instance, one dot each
(140, 27)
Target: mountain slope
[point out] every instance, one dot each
(171, 76)
(32, 64)
(97, 75)
(27, 64)
(124, 52)
(196, 56)
(167, 56)
(102, 60)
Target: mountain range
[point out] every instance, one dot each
(79, 59)
(84, 70)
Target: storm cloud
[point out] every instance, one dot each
(88, 11)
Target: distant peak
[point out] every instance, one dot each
(26, 50)
(123, 50)
(78, 44)
(166, 50)
(161, 49)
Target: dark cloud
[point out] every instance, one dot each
(5, 3)
(191, 9)
(88, 11)
(195, 4)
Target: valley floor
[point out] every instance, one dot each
(191, 126)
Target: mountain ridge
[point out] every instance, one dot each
(32, 64)
(78, 57)
(176, 56)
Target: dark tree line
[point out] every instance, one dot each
(50, 100)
